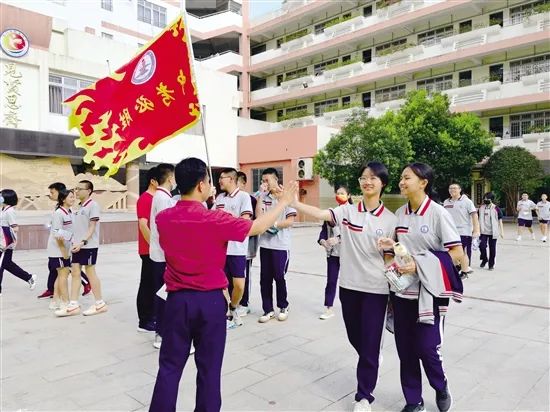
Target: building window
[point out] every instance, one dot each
(321, 67)
(496, 18)
(280, 79)
(465, 26)
(496, 126)
(257, 177)
(437, 84)
(390, 45)
(294, 74)
(434, 36)
(528, 123)
(366, 99)
(296, 109)
(107, 36)
(107, 5)
(367, 56)
(61, 88)
(367, 11)
(527, 67)
(465, 78)
(517, 14)
(321, 107)
(390, 93)
(151, 13)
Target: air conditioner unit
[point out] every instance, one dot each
(305, 169)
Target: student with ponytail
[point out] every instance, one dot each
(9, 227)
(429, 234)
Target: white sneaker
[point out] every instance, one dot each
(266, 317)
(242, 311)
(283, 314)
(362, 406)
(69, 310)
(544, 239)
(236, 318)
(327, 314)
(518, 238)
(229, 324)
(54, 305)
(96, 310)
(158, 342)
(32, 282)
(533, 236)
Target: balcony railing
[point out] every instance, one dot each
(517, 73)
(447, 46)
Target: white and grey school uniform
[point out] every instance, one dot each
(544, 211)
(89, 212)
(427, 233)
(461, 210)
(8, 222)
(363, 287)
(161, 200)
(274, 257)
(525, 215)
(489, 216)
(61, 227)
(237, 204)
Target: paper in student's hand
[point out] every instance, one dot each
(162, 292)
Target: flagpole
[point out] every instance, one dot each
(203, 107)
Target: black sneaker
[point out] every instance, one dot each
(483, 263)
(443, 399)
(463, 275)
(414, 408)
(491, 268)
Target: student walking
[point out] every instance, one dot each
(274, 250)
(490, 220)
(525, 209)
(543, 208)
(429, 234)
(162, 200)
(238, 204)
(146, 293)
(329, 238)
(59, 247)
(464, 214)
(9, 227)
(196, 306)
(363, 287)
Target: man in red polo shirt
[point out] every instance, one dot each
(194, 241)
(146, 293)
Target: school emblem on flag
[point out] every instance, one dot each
(145, 102)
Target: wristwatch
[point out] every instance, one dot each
(84, 242)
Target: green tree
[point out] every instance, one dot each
(451, 143)
(361, 140)
(511, 170)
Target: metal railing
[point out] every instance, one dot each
(232, 6)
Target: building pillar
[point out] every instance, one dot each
(132, 185)
(245, 53)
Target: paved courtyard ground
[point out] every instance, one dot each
(496, 348)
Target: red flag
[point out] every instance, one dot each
(147, 101)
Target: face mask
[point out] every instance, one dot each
(487, 201)
(341, 199)
(174, 186)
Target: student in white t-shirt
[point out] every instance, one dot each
(364, 290)
(59, 247)
(9, 227)
(464, 214)
(525, 209)
(543, 208)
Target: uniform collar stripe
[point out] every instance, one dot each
(64, 210)
(377, 211)
(233, 193)
(86, 202)
(162, 189)
(421, 209)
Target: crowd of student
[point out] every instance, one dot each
(196, 251)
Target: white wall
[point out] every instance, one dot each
(218, 92)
